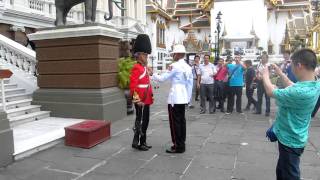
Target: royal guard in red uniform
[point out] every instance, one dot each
(141, 91)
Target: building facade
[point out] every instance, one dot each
(21, 17)
(173, 22)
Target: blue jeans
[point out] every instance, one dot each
(288, 163)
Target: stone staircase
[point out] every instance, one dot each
(33, 130)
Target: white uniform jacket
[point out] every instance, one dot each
(181, 82)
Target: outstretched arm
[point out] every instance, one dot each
(165, 76)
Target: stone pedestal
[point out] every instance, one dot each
(6, 139)
(77, 68)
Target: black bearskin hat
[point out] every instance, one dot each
(142, 44)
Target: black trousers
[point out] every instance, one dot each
(177, 122)
(219, 93)
(316, 108)
(288, 163)
(251, 100)
(141, 124)
(234, 91)
(260, 92)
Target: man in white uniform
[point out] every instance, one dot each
(181, 78)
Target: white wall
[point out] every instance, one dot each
(276, 30)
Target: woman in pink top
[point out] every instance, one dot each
(219, 83)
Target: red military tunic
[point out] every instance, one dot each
(140, 83)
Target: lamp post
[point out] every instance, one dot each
(218, 19)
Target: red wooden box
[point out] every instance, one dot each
(87, 133)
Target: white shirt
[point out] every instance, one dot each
(181, 82)
(207, 72)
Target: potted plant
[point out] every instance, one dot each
(125, 65)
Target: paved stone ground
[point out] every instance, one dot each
(219, 147)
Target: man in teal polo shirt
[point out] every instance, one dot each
(235, 73)
(295, 104)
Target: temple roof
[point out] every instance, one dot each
(153, 7)
(201, 22)
(298, 24)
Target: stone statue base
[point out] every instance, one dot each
(6, 139)
(77, 69)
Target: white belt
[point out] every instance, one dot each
(143, 85)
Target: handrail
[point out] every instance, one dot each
(18, 55)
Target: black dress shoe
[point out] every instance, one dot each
(146, 145)
(135, 146)
(143, 148)
(172, 151)
(257, 112)
(267, 114)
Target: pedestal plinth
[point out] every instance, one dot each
(77, 69)
(6, 139)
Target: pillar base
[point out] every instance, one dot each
(6, 139)
(94, 104)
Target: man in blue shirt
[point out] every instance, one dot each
(235, 72)
(295, 104)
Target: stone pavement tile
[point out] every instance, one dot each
(256, 157)
(121, 166)
(251, 137)
(261, 146)
(205, 173)
(191, 152)
(314, 134)
(234, 117)
(258, 117)
(46, 174)
(228, 131)
(131, 153)
(209, 119)
(310, 172)
(246, 171)
(147, 174)
(74, 164)
(197, 129)
(24, 168)
(220, 161)
(223, 124)
(165, 164)
(99, 176)
(7, 177)
(256, 131)
(252, 124)
(65, 159)
(224, 139)
(310, 147)
(195, 140)
(158, 139)
(310, 158)
(102, 151)
(228, 149)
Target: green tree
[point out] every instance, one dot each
(125, 65)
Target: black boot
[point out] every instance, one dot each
(135, 142)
